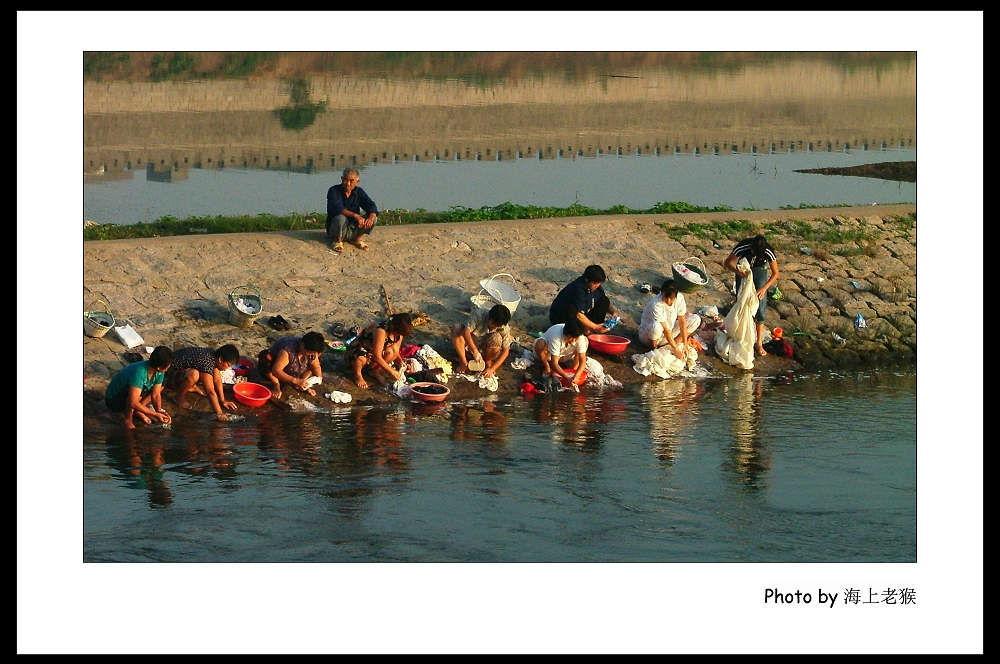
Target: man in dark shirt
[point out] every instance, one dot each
(584, 300)
(345, 204)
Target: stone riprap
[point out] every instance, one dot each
(174, 290)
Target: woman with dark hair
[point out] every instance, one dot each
(199, 370)
(666, 322)
(564, 340)
(293, 360)
(762, 259)
(139, 385)
(379, 345)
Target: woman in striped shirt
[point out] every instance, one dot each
(762, 260)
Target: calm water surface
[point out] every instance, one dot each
(811, 469)
(761, 181)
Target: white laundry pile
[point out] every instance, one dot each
(433, 360)
(526, 360)
(663, 363)
(492, 383)
(228, 376)
(338, 397)
(735, 344)
(596, 376)
(312, 380)
(688, 274)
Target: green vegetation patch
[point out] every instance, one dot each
(96, 63)
(314, 220)
(177, 65)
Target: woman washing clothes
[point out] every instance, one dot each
(378, 346)
(293, 360)
(666, 322)
(762, 260)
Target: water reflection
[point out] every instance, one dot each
(378, 434)
(579, 421)
(138, 461)
(673, 409)
(388, 114)
(479, 422)
(749, 455)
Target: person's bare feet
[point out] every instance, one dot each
(761, 351)
(361, 382)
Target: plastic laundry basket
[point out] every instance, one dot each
(495, 292)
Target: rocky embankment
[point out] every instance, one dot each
(835, 263)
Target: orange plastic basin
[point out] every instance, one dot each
(251, 394)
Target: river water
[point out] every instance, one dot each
(434, 131)
(764, 181)
(809, 468)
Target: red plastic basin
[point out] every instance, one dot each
(251, 394)
(243, 366)
(429, 391)
(608, 343)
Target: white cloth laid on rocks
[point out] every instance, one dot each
(311, 381)
(492, 383)
(339, 397)
(657, 313)
(735, 344)
(663, 363)
(596, 376)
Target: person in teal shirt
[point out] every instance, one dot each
(132, 389)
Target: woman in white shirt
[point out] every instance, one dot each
(665, 320)
(562, 341)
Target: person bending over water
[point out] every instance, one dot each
(199, 370)
(134, 388)
(494, 339)
(378, 346)
(666, 322)
(293, 360)
(560, 341)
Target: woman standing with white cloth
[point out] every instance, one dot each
(665, 320)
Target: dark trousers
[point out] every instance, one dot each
(596, 315)
(340, 227)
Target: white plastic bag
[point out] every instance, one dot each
(735, 344)
(127, 335)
